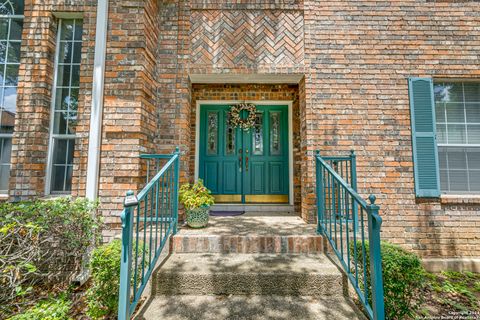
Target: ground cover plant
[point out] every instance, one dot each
(451, 293)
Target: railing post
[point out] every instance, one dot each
(320, 193)
(353, 181)
(353, 169)
(374, 224)
(175, 190)
(126, 259)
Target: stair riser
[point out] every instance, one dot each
(246, 244)
(248, 284)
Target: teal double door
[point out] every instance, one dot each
(241, 166)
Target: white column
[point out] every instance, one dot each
(95, 136)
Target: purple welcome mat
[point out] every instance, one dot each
(226, 213)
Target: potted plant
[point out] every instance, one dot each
(196, 199)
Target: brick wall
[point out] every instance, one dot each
(174, 88)
(129, 121)
(356, 58)
(360, 55)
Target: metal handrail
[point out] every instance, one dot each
(148, 221)
(350, 225)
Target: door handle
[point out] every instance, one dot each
(240, 159)
(246, 160)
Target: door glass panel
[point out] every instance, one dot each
(258, 135)
(230, 139)
(212, 134)
(275, 145)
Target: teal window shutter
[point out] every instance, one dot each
(425, 156)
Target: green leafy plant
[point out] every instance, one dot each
(102, 296)
(403, 279)
(51, 309)
(39, 241)
(195, 195)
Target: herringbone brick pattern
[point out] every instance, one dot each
(246, 5)
(247, 38)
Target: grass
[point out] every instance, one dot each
(450, 291)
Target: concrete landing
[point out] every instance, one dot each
(251, 224)
(194, 307)
(248, 274)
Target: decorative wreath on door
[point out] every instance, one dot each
(236, 119)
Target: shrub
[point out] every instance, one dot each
(403, 279)
(42, 243)
(52, 309)
(102, 297)
(196, 195)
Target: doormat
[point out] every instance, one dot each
(226, 213)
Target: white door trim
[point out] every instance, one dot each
(288, 103)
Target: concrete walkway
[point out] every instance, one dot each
(213, 307)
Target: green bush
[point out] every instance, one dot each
(42, 243)
(102, 297)
(52, 309)
(196, 195)
(403, 279)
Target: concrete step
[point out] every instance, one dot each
(248, 274)
(208, 243)
(257, 307)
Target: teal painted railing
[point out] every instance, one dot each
(351, 227)
(148, 220)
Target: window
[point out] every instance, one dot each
(457, 110)
(11, 24)
(64, 105)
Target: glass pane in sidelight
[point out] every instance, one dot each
(257, 135)
(212, 133)
(275, 144)
(230, 136)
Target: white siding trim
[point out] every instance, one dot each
(95, 136)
